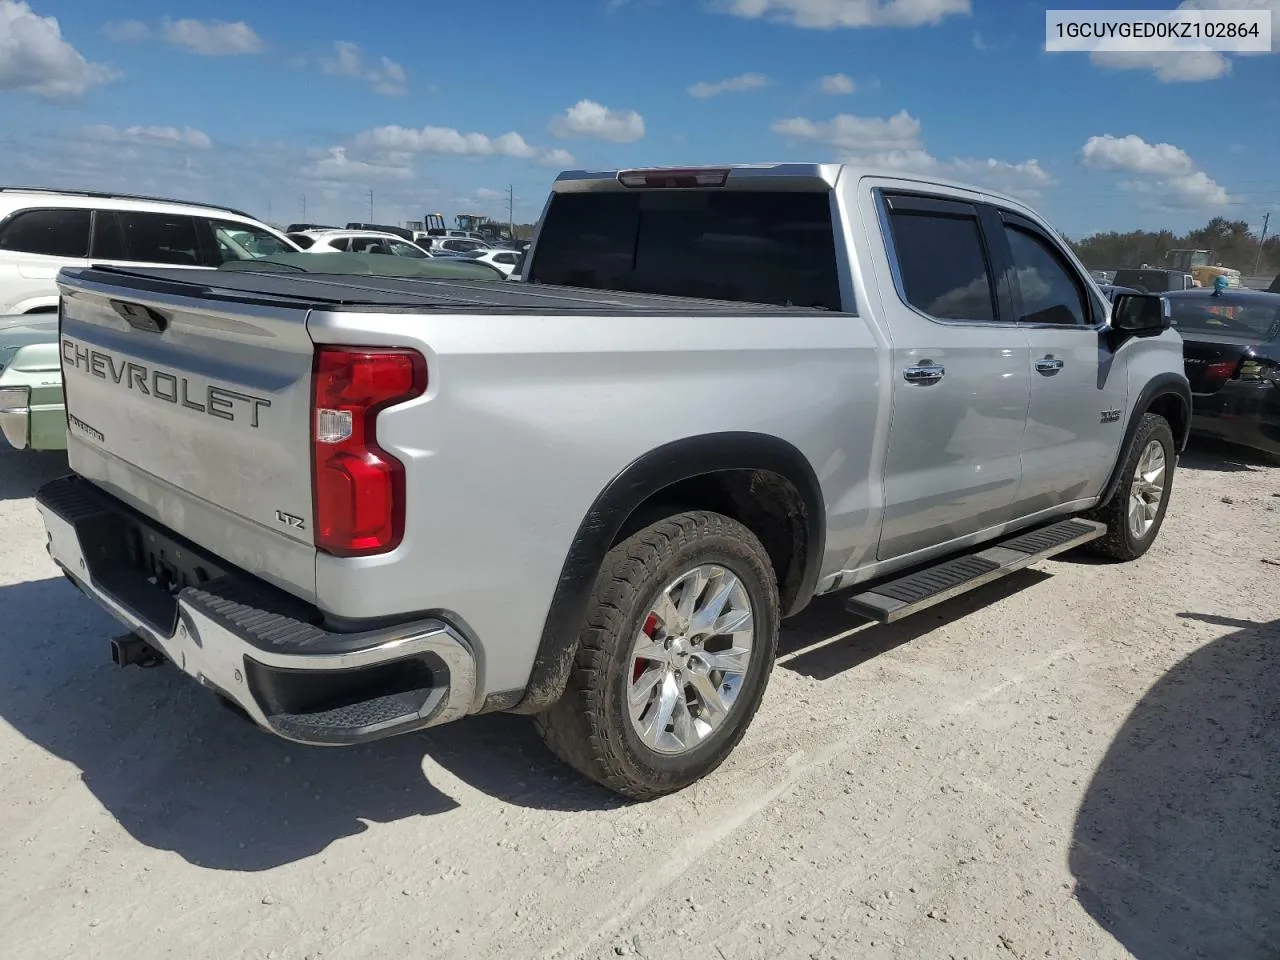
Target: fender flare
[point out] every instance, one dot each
(1162, 385)
(645, 476)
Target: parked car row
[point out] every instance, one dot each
(42, 231)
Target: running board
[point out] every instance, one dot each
(917, 591)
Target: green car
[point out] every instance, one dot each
(32, 415)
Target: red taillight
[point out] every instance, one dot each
(672, 177)
(1220, 372)
(358, 487)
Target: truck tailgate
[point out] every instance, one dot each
(196, 413)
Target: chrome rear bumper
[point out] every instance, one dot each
(263, 651)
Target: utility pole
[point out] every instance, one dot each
(304, 208)
(1261, 240)
(371, 206)
(511, 206)
(268, 210)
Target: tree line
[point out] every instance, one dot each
(1230, 240)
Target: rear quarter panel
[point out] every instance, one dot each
(527, 418)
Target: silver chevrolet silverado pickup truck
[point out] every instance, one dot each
(357, 507)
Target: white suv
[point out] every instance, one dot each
(357, 241)
(44, 230)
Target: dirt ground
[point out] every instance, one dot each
(1080, 761)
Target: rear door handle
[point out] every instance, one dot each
(925, 373)
(1048, 365)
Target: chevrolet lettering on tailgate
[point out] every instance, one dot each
(216, 401)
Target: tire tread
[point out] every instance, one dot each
(1117, 545)
(572, 727)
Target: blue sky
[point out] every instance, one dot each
(439, 106)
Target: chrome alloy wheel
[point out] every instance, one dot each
(1147, 490)
(690, 658)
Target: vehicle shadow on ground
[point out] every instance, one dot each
(1176, 848)
(826, 640)
(179, 772)
(1222, 457)
(23, 472)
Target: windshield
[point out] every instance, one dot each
(1226, 316)
(238, 241)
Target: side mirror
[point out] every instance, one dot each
(1140, 314)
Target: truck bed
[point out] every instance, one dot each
(409, 295)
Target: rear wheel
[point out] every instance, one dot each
(677, 648)
(1136, 511)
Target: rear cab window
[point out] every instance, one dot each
(757, 246)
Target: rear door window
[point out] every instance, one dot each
(942, 262)
(168, 238)
(56, 232)
(746, 246)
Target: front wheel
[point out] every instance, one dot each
(1136, 511)
(678, 644)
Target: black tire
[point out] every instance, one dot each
(1120, 543)
(589, 727)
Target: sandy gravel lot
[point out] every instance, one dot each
(1082, 760)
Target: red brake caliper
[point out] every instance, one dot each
(639, 667)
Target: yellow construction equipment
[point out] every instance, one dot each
(1200, 264)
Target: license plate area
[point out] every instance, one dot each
(143, 567)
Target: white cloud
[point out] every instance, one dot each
(588, 119)
(1188, 67)
(851, 134)
(346, 61)
(212, 38)
(894, 144)
(36, 59)
(171, 137)
(1132, 154)
(1169, 67)
(739, 84)
(836, 84)
(388, 77)
(126, 31)
(484, 193)
(267, 178)
(556, 158)
(1173, 179)
(334, 166)
(832, 14)
(1195, 191)
(381, 141)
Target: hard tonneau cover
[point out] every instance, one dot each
(404, 294)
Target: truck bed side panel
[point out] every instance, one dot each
(527, 418)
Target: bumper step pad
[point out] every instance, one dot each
(917, 591)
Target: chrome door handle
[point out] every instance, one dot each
(1048, 365)
(925, 373)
